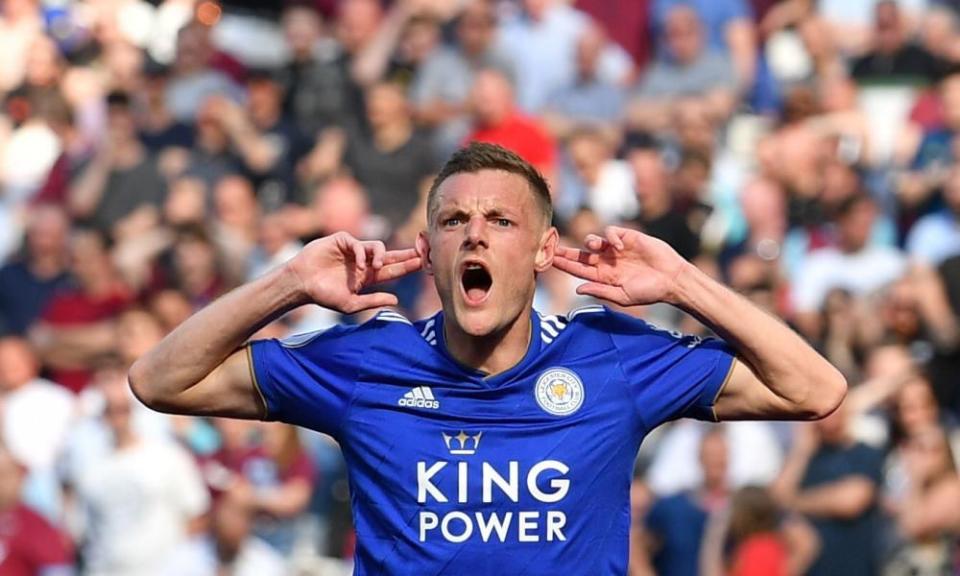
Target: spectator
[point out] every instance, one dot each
(20, 25)
(854, 265)
(918, 187)
(143, 487)
(892, 58)
(752, 539)
(547, 31)
(284, 143)
(693, 71)
(27, 284)
(121, 190)
(497, 120)
(194, 77)
(30, 543)
(275, 246)
(213, 155)
(391, 158)
(657, 214)
(272, 477)
(936, 236)
(37, 416)
(927, 521)
(157, 127)
(833, 480)
(74, 332)
(608, 182)
(237, 219)
(197, 267)
(728, 29)
(628, 25)
(588, 100)
(675, 525)
(320, 91)
(441, 87)
(229, 547)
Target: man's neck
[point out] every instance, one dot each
(47, 266)
(493, 353)
(393, 136)
(654, 206)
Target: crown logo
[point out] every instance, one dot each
(463, 443)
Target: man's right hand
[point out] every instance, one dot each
(333, 271)
(202, 367)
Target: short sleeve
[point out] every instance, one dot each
(672, 375)
(308, 380)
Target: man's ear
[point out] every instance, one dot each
(423, 249)
(548, 247)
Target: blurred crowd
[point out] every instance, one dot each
(156, 153)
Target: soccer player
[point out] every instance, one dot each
(488, 438)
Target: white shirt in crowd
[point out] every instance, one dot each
(198, 557)
(138, 503)
(860, 273)
(754, 456)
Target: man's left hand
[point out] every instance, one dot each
(624, 266)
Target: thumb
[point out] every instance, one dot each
(603, 291)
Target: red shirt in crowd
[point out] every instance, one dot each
(760, 555)
(29, 544)
(74, 309)
(522, 135)
(255, 466)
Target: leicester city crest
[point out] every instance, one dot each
(559, 391)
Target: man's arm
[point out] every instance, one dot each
(777, 375)
(200, 368)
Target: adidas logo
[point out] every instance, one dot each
(420, 397)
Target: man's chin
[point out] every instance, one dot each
(477, 321)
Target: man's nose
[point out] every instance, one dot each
(476, 232)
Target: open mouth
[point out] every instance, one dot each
(476, 282)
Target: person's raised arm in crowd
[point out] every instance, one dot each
(201, 367)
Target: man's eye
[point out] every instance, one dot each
(451, 221)
(503, 222)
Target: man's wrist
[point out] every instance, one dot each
(287, 286)
(685, 285)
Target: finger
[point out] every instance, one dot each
(582, 256)
(392, 256)
(575, 267)
(376, 249)
(613, 237)
(396, 270)
(362, 302)
(594, 243)
(566, 252)
(603, 291)
(359, 255)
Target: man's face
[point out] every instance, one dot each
(485, 243)
(684, 36)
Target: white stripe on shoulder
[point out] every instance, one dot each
(391, 316)
(546, 339)
(298, 340)
(591, 309)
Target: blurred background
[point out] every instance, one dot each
(156, 153)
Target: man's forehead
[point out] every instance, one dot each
(486, 187)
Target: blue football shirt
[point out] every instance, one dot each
(523, 472)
